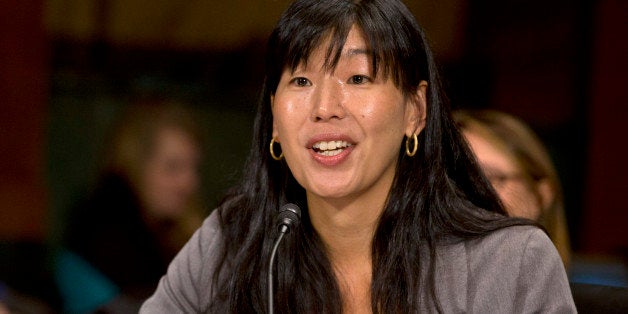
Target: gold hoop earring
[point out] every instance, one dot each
(272, 150)
(416, 145)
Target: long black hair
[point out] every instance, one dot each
(437, 196)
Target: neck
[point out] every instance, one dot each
(346, 228)
(347, 232)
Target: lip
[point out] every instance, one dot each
(330, 160)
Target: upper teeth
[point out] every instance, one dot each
(331, 145)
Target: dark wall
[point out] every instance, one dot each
(23, 103)
(606, 213)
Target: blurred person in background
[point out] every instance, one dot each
(144, 207)
(520, 169)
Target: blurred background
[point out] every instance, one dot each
(68, 68)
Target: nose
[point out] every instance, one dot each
(329, 101)
(187, 180)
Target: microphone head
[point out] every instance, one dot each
(289, 216)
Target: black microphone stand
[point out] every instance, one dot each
(282, 232)
(289, 215)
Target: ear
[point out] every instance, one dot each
(417, 110)
(275, 134)
(545, 192)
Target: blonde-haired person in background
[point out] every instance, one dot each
(520, 169)
(144, 207)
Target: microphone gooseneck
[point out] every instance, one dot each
(289, 217)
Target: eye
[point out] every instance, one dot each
(359, 79)
(301, 81)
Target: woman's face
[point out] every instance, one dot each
(341, 130)
(170, 176)
(510, 183)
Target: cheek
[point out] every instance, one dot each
(288, 116)
(519, 201)
(157, 185)
(382, 115)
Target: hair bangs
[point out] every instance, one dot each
(306, 25)
(400, 57)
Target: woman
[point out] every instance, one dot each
(144, 208)
(519, 168)
(397, 217)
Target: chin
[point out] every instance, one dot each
(173, 212)
(329, 193)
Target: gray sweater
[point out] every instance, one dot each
(513, 270)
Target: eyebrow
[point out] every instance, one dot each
(349, 52)
(359, 51)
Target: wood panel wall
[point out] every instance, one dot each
(23, 99)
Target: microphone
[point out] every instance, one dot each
(289, 216)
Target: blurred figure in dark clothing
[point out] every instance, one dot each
(145, 206)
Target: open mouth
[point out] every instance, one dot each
(330, 148)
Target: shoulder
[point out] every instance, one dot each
(512, 269)
(502, 245)
(509, 242)
(203, 245)
(187, 286)
(210, 229)
(502, 254)
(478, 265)
(199, 253)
